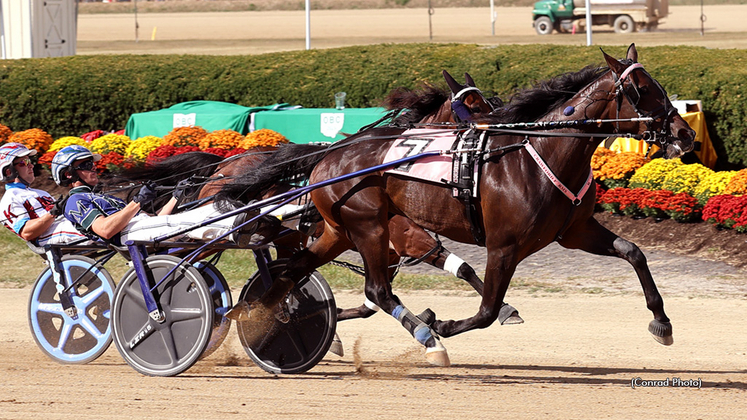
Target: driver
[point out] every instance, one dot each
(114, 220)
(30, 213)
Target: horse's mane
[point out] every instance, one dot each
(420, 102)
(175, 168)
(286, 163)
(532, 103)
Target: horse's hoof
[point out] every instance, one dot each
(437, 355)
(662, 332)
(240, 312)
(336, 346)
(508, 315)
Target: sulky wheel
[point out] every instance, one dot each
(222, 302)
(172, 346)
(303, 329)
(87, 335)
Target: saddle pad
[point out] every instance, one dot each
(413, 142)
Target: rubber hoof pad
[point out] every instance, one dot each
(336, 346)
(662, 332)
(508, 315)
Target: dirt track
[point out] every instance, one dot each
(575, 357)
(260, 32)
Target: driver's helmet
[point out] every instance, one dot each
(65, 157)
(8, 153)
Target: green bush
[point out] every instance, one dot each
(73, 95)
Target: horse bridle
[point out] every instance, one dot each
(650, 135)
(460, 110)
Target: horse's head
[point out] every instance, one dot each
(640, 95)
(466, 100)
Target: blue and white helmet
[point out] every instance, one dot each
(65, 158)
(8, 153)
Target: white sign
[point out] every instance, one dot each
(331, 123)
(184, 120)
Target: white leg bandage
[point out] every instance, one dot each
(452, 264)
(370, 305)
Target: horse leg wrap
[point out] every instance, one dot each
(419, 329)
(452, 264)
(370, 305)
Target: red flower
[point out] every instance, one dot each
(111, 162)
(234, 152)
(93, 135)
(164, 151)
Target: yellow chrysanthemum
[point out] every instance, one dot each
(652, 174)
(685, 178)
(67, 141)
(139, 149)
(713, 184)
(110, 143)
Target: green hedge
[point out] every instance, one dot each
(73, 95)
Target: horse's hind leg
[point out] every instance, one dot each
(594, 238)
(410, 240)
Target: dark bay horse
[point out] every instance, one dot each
(527, 192)
(426, 105)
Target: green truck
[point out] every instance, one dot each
(625, 16)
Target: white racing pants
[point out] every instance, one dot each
(62, 231)
(146, 228)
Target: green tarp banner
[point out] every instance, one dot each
(307, 125)
(210, 115)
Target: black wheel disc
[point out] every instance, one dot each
(170, 347)
(303, 327)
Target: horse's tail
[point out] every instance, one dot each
(173, 169)
(288, 163)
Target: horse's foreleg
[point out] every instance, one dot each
(500, 268)
(594, 238)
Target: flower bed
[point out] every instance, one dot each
(662, 189)
(627, 183)
(120, 152)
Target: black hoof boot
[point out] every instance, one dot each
(427, 316)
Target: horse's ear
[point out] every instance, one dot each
(468, 80)
(632, 53)
(453, 84)
(616, 66)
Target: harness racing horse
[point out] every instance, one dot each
(427, 105)
(525, 191)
